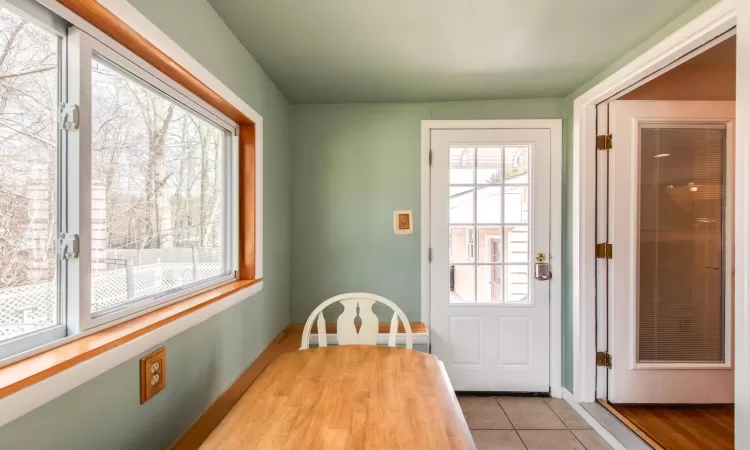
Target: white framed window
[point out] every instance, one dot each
(118, 187)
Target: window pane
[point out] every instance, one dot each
(462, 165)
(516, 165)
(461, 244)
(462, 283)
(490, 284)
(517, 284)
(517, 244)
(681, 244)
(461, 205)
(157, 200)
(516, 201)
(28, 176)
(490, 241)
(489, 165)
(489, 204)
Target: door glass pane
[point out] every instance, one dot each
(481, 241)
(462, 279)
(490, 242)
(461, 205)
(489, 204)
(490, 165)
(517, 244)
(462, 165)
(517, 164)
(462, 244)
(28, 176)
(157, 191)
(682, 268)
(516, 202)
(490, 284)
(517, 284)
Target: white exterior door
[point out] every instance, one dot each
(490, 217)
(670, 277)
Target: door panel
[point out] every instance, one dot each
(490, 214)
(670, 279)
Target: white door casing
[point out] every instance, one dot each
(502, 347)
(632, 381)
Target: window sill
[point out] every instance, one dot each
(32, 370)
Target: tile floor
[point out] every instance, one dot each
(527, 423)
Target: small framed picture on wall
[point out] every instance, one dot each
(403, 223)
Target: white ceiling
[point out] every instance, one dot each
(333, 51)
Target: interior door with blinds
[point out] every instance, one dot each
(669, 280)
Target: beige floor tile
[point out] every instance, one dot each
(497, 440)
(484, 413)
(550, 440)
(591, 440)
(567, 414)
(527, 413)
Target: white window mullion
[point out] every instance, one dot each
(78, 175)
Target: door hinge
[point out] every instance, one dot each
(429, 255)
(68, 246)
(430, 158)
(604, 359)
(604, 250)
(604, 142)
(69, 116)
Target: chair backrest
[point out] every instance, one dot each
(346, 330)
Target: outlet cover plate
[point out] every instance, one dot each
(153, 374)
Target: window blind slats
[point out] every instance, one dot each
(681, 254)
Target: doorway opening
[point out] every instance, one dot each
(665, 273)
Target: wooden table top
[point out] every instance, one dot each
(347, 397)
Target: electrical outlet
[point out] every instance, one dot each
(153, 374)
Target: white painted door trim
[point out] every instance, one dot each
(555, 127)
(717, 20)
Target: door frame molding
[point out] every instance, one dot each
(717, 20)
(556, 167)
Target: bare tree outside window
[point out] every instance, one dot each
(156, 191)
(28, 175)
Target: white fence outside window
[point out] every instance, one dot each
(25, 309)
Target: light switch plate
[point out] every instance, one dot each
(403, 222)
(153, 374)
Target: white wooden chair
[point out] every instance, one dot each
(346, 331)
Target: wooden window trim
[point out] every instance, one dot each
(36, 368)
(29, 371)
(100, 17)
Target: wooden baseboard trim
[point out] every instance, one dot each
(628, 423)
(383, 327)
(199, 431)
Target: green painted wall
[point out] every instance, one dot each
(352, 166)
(105, 412)
(678, 22)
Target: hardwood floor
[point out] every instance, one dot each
(684, 427)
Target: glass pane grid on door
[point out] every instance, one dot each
(489, 224)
